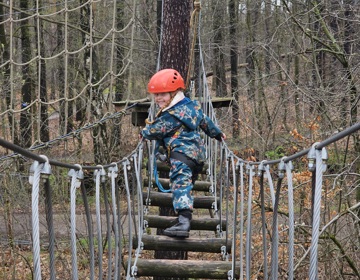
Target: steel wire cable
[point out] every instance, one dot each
(98, 173)
(249, 224)
(35, 219)
(113, 173)
(241, 231)
(90, 231)
(50, 225)
(275, 233)
(140, 224)
(313, 271)
(108, 229)
(130, 269)
(263, 224)
(236, 182)
(73, 187)
(289, 168)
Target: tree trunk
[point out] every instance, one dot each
(27, 87)
(234, 67)
(219, 78)
(174, 53)
(44, 118)
(6, 87)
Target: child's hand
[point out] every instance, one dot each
(220, 137)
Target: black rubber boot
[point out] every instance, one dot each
(182, 228)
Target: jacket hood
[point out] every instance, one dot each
(188, 112)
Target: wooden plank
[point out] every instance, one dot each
(164, 243)
(140, 111)
(199, 185)
(185, 268)
(211, 224)
(165, 200)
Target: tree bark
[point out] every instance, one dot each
(27, 87)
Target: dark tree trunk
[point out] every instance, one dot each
(219, 78)
(174, 54)
(44, 128)
(234, 67)
(176, 36)
(27, 87)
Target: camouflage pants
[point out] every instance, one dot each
(181, 183)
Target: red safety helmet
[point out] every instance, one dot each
(166, 80)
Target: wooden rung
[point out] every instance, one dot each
(186, 268)
(211, 224)
(199, 185)
(162, 166)
(164, 200)
(164, 243)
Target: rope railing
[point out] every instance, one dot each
(231, 166)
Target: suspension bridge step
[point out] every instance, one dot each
(164, 243)
(199, 185)
(186, 268)
(165, 200)
(211, 224)
(162, 166)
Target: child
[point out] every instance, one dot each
(176, 127)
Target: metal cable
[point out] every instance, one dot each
(108, 230)
(249, 226)
(275, 232)
(236, 182)
(98, 173)
(35, 181)
(75, 183)
(50, 224)
(241, 220)
(289, 168)
(113, 173)
(263, 223)
(90, 231)
(313, 271)
(126, 163)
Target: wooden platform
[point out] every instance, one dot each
(140, 110)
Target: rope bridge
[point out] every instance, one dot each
(120, 232)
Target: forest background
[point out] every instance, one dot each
(290, 67)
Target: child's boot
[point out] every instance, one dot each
(182, 228)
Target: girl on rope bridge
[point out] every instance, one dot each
(175, 127)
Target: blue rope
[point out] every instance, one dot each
(156, 175)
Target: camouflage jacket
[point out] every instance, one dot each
(177, 129)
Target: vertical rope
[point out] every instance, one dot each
(73, 186)
(90, 231)
(98, 173)
(249, 226)
(275, 232)
(313, 273)
(241, 220)
(126, 164)
(236, 180)
(35, 181)
(289, 168)
(108, 230)
(263, 221)
(50, 224)
(113, 173)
